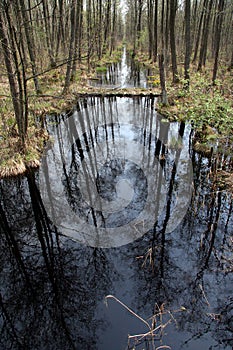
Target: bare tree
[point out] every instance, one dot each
(30, 42)
(198, 35)
(155, 46)
(73, 22)
(150, 26)
(173, 8)
(187, 42)
(218, 30)
(15, 68)
(78, 37)
(205, 35)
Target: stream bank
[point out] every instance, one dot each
(65, 247)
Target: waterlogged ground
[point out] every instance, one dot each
(125, 74)
(54, 279)
(122, 207)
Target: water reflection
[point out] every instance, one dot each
(45, 295)
(53, 288)
(125, 74)
(112, 167)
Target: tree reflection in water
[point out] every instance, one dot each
(49, 287)
(53, 288)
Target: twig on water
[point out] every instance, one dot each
(155, 329)
(128, 309)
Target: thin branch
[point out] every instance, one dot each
(53, 68)
(128, 309)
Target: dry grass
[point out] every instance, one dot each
(155, 325)
(15, 159)
(225, 178)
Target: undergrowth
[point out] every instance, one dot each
(207, 107)
(204, 105)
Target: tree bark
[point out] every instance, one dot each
(219, 21)
(107, 28)
(48, 33)
(78, 37)
(72, 43)
(205, 35)
(100, 19)
(173, 5)
(30, 44)
(198, 36)
(155, 50)
(187, 43)
(14, 89)
(114, 20)
(150, 26)
(139, 23)
(162, 80)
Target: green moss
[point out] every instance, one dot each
(101, 69)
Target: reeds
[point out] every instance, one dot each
(155, 325)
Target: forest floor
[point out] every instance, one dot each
(209, 108)
(15, 159)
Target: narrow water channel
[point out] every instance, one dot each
(125, 74)
(111, 170)
(121, 206)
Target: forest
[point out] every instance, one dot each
(49, 50)
(116, 174)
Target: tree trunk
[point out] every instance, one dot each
(72, 43)
(107, 29)
(30, 44)
(173, 5)
(219, 21)
(155, 50)
(187, 43)
(78, 38)
(198, 36)
(150, 26)
(139, 23)
(14, 89)
(205, 35)
(114, 19)
(48, 33)
(162, 26)
(167, 29)
(60, 31)
(100, 19)
(162, 80)
(89, 31)
(194, 21)
(214, 26)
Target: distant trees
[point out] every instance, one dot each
(197, 30)
(173, 9)
(72, 41)
(207, 7)
(187, 42)
(218, 29)
(40, 35)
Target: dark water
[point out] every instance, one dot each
(112, 164)
(116, 209)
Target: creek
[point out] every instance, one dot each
(121, 206)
